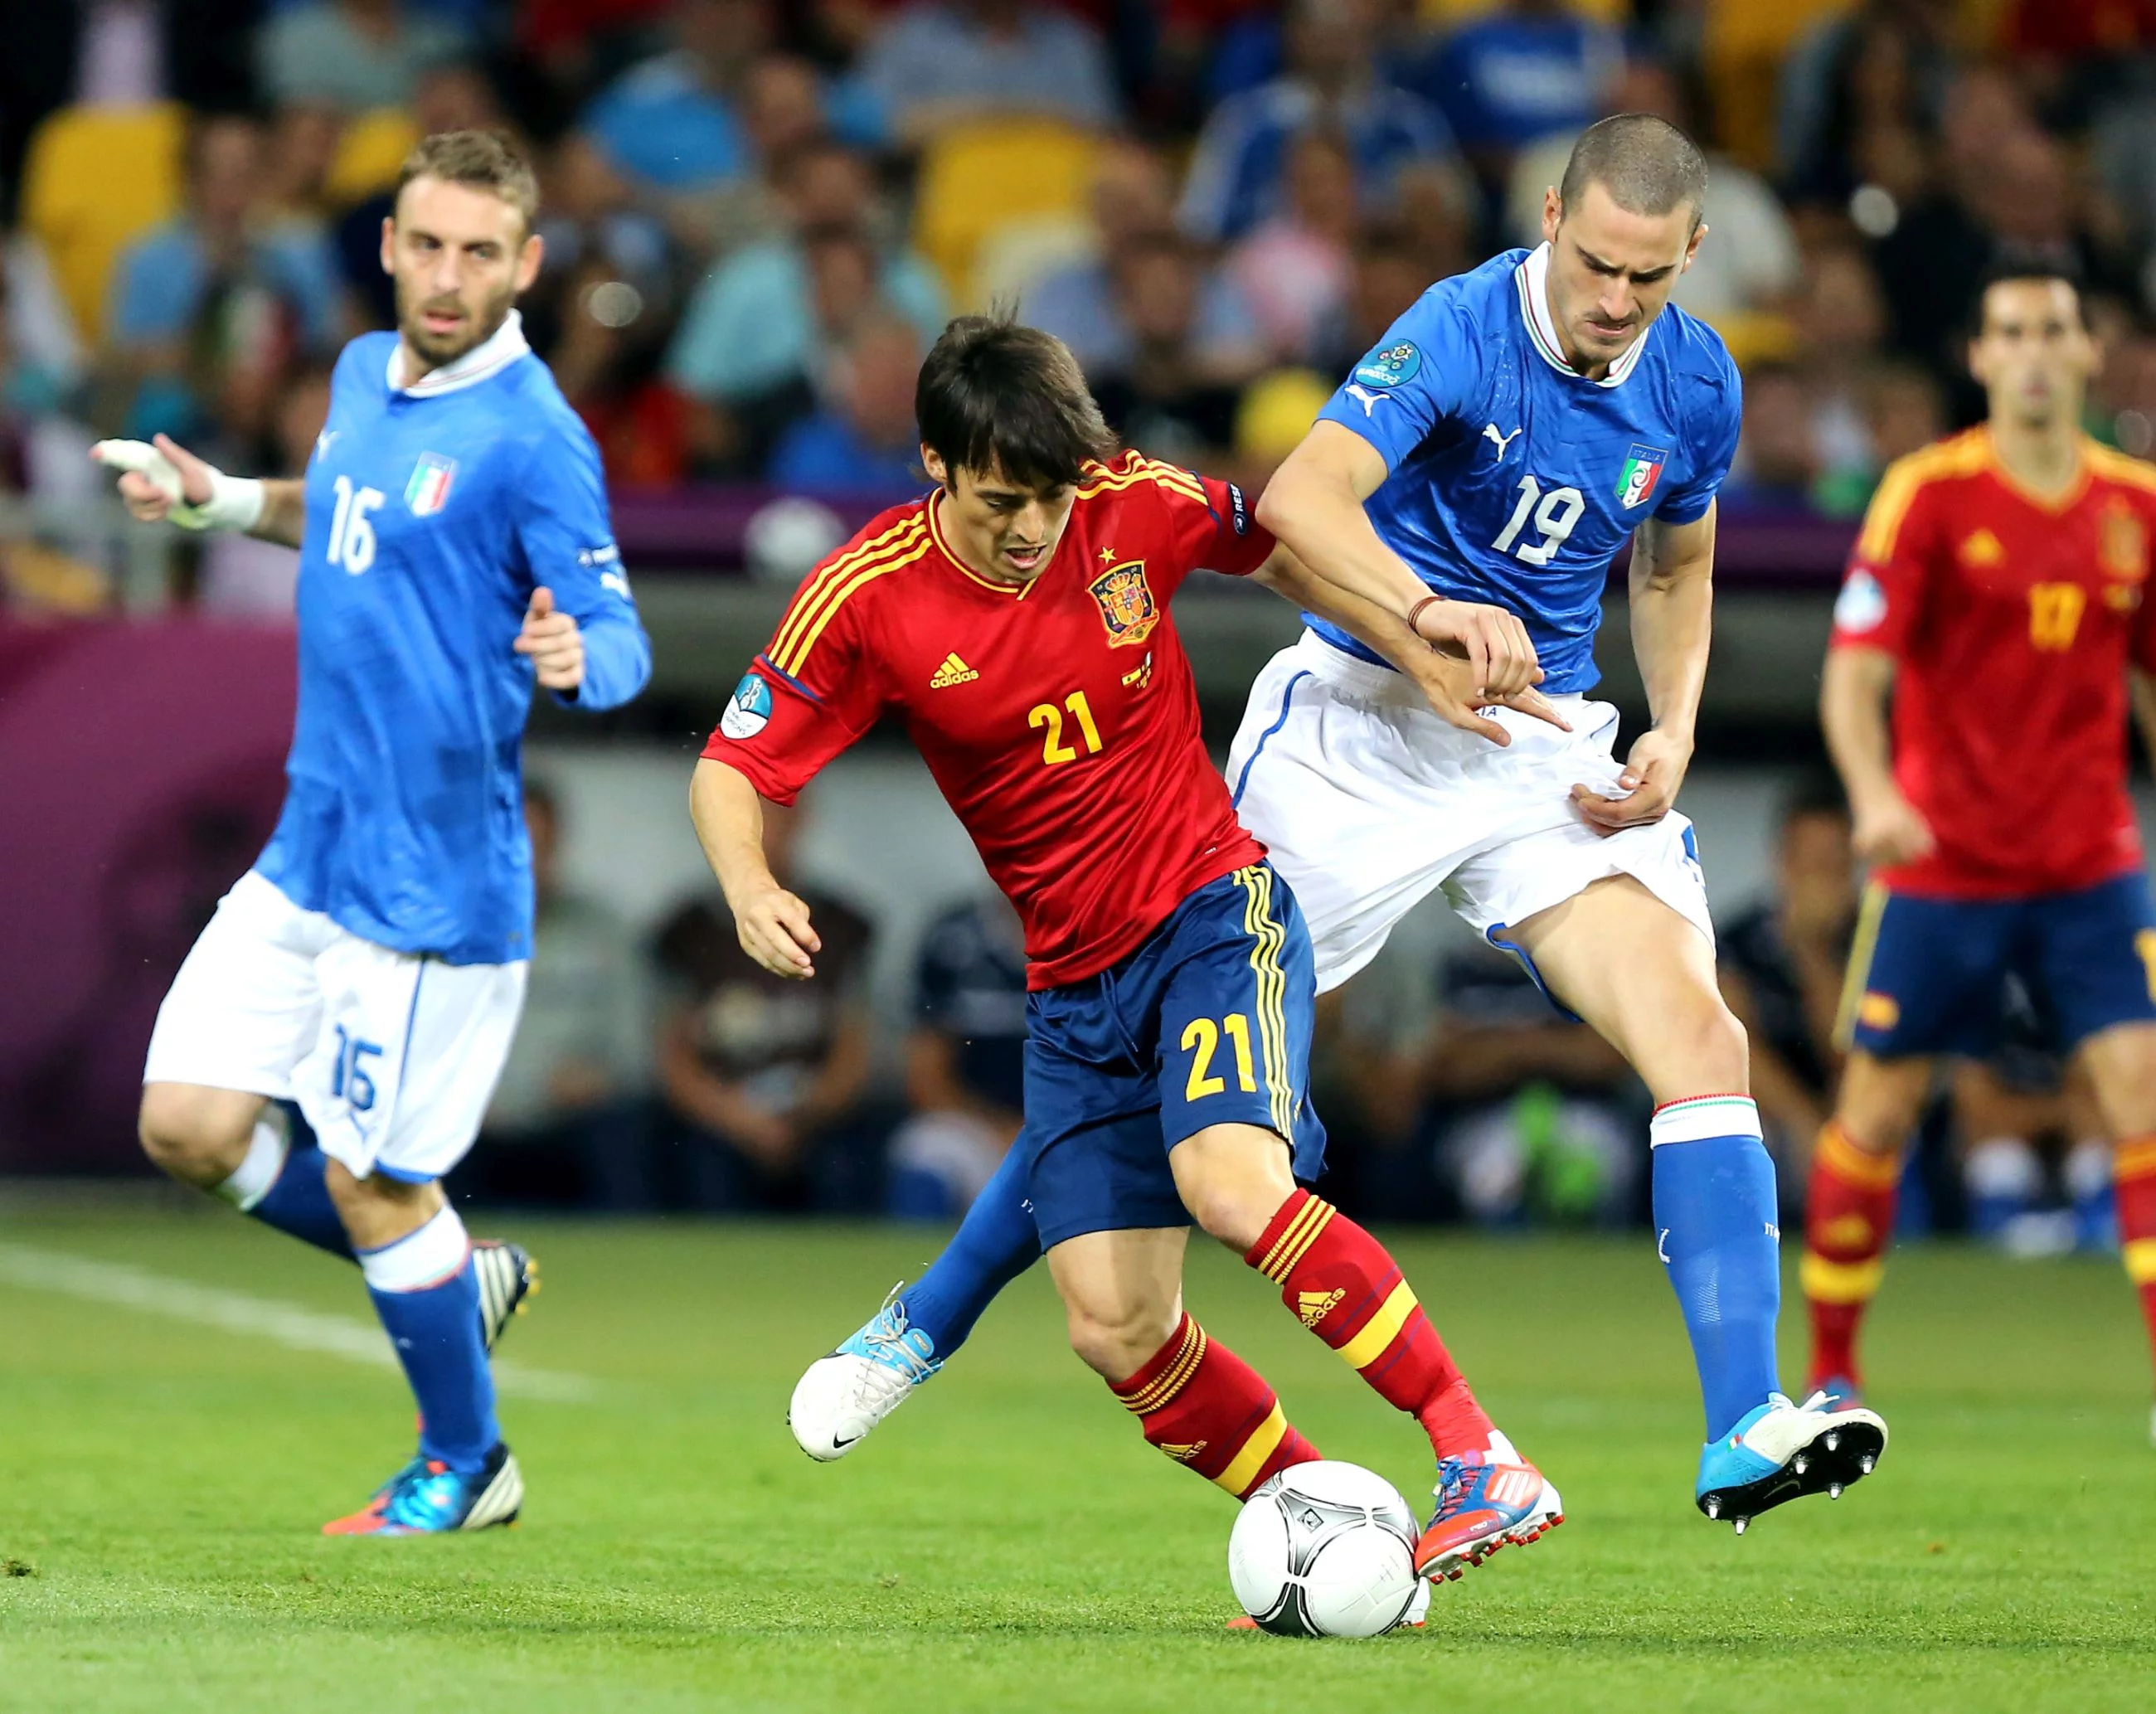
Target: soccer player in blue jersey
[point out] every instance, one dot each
(454, 548)
(1514, 429)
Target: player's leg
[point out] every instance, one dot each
(1643, 975)
(841, 1398)
(1849, 1207)
(409, 1053)
(242, 1013)
(2095, 970)
(1194, 1398)
(1234, 1019)
(1923, 983)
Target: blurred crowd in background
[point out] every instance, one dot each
(756, 215)
(755, 218)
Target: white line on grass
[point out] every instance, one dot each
(286, 1324)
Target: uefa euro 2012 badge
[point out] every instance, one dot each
(748, 710)
(1390, 366)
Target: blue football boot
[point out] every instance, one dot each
(427, 1497)
(1781, 1451)
(843, 1396)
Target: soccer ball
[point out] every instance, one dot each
(1325, 1550)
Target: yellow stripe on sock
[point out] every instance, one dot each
(1289, 1247)
(1838, 1155)
(2139, 1254)
(1367, 1346)
(2135, 1159)
(1264, 1441)
(1840, 1282)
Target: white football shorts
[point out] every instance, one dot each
(392, 1057)
(1367, 801)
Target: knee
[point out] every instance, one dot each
(198, 1136)
(1115, 1342)
(1235, 1214)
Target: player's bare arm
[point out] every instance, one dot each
(1855, 689)
(1314, 504)
(1672, 594)
(1445, 681)
(772, 923)
(161, 479)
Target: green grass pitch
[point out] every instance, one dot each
(1007, 1541)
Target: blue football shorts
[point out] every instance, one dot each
(1208, 1022)
(1927, 977)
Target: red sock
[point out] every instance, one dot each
(1203, 1406)
(2133, 1168)
(1340, 1283)
(1848, 1217)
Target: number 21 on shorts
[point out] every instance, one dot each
(1201, 1041)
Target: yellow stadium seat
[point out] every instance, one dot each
(977, 178)
(1746, 42)
(97, 177)
(373, 146)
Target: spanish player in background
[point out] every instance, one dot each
(1997, 597)
(454, 549)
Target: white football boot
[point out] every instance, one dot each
(1782, 1451)
(843, 1396)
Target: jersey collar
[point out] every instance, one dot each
(1531, 276)
(490, 357)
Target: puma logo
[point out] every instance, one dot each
(1499, 441)
(1368, 399)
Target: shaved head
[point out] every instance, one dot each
(1647, 166)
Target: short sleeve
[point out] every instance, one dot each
(1882, 595)
(1424, 370)
(814, 690)
(1713, 445)
(1212, 526)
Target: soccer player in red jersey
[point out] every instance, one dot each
(1017, 620)
(1997, 594)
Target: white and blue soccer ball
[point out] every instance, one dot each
(1325, 1550)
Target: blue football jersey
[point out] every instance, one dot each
(1513, 478)
(433, 512)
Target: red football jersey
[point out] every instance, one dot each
(1059, 717)
(2012, 619)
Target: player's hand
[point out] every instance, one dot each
(151, 493)
(553, 640)
(1646, 790)
(1448, 684)
(1493, 643)
(1890, 829)
(775, 931)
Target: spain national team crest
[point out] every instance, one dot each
(1642, 474)
(2122, 543)
(1127, 608)
(429, 490)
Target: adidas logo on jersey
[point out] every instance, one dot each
(953, 671)
(1313, 1306)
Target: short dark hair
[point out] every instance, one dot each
(1646, 164)
(994, 395)
(2012, 266)
(480, 160)
(1815, 791)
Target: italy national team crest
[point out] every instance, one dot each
(429, 490)
(1127, 608)
(1642, 474)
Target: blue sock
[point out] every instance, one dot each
(285, 1187)
(1715, 1227)
(994, 1245)
(427, 1297)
